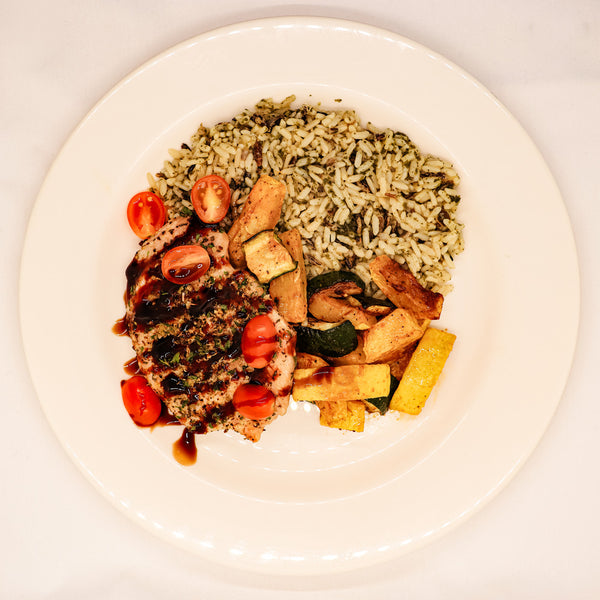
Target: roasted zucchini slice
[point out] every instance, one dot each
(267, 257)
(327, 339)
(356, 357)
(345, 283)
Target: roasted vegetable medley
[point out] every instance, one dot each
(355, 353)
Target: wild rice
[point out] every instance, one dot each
(353, 192)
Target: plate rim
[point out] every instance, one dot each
(301, 22)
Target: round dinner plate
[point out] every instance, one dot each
(306, 499)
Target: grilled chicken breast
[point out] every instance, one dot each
(187, 338)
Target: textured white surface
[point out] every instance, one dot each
(537, 539)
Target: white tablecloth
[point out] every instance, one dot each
(538, 539)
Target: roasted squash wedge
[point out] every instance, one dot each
(349, 416)
(348, 382)
(423, 371)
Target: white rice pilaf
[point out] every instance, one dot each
(354, 192)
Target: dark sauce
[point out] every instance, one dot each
(132, 367)
(234, 350)
(173, 385)
(184, 449)
(132, 272)
(166, 418)
(157, 310)
(164, 349)
(120, 327)
(212, 297)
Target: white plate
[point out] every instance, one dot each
(306, 499)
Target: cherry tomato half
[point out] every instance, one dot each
(146, 214)
(210, 198)
(184, 264)
(140, 401)
(259, 341)
(253, 401)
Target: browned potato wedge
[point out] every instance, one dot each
(423, 371)
(342, 415)
(402, 288)
(328, 308)
(309, 361)
(387, 340)
(260, 212)
(289, 290)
